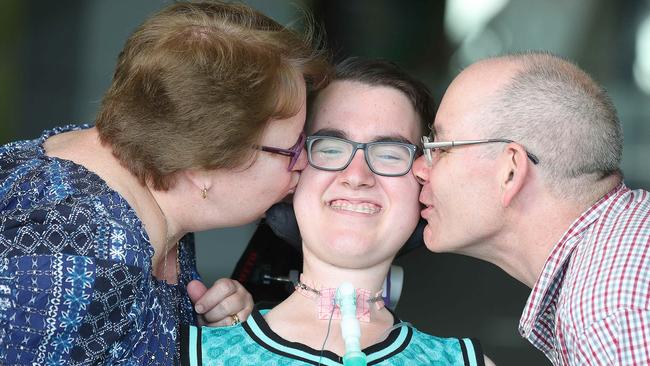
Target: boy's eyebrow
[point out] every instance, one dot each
(332, 132)
(394, 138)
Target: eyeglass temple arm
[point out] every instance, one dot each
(440, 145)
(444, 144)
(276, 150)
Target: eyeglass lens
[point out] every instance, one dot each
(384, 158)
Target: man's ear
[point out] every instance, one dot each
(513, 172)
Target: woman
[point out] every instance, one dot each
(200, 129)
(355, 209)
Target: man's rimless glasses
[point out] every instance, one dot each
(429, 146)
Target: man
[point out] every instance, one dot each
(539, 193)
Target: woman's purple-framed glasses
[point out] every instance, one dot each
(293, 152)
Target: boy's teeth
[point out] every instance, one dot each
(368, 208)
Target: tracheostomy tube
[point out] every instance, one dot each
(346, 299)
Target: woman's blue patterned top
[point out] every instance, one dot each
(76, 282)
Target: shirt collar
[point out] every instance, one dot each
(547, 287)
(259, 330)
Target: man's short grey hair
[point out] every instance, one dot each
(564, 117)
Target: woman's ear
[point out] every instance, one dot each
(198, 178)
(513, 171)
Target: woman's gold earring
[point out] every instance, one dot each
(204, 193)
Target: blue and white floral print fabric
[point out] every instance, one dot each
(76, 282)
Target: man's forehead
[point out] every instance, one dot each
(439, 130)
(470, 96)
(436, 129)
(447, 130)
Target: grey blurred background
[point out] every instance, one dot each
(57, 58)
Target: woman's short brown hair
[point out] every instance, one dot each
(196, 84)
